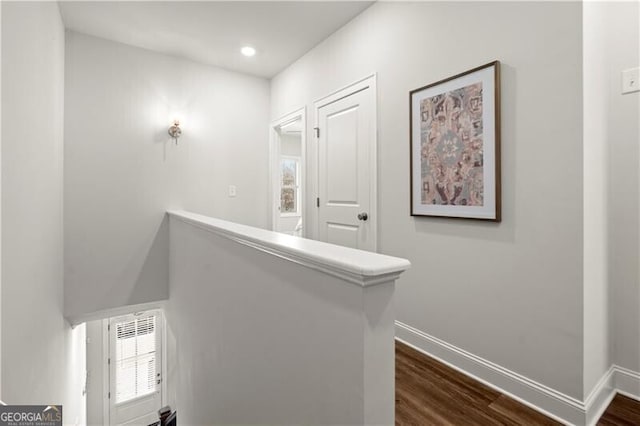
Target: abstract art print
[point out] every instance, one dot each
(455, 146)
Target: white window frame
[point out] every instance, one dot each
(106, 354)
(146, 324)
(274, 168)
(298, 162)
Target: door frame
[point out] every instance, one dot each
(274, 168)
(106, 354)
(369, 81)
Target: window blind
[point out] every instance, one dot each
(135, 358)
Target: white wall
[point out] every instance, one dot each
(264, 338)
(622, 46)
(596, 207)
(122, 171)
(41, 361)
(510, 292)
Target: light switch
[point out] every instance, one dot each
(631, 80)
(232, 190)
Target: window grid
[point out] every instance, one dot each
(135, 358)
(289, 186)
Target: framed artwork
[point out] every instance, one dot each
(455, 146)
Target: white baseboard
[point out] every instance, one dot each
(557, 405)
(600, 397)
(627, 382)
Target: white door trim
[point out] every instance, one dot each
(349, 89)
(367, 82)
(106, 354)
(106, 374)
(274, 172)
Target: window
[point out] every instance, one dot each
(290, 186)
(135, 357)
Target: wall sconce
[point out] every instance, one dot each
(175, 131)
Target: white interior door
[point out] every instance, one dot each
(135, 366)
(346, 132)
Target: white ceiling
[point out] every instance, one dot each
(212, 32)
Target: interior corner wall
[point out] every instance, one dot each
(0, 202)
(623, 138)
(511, 293)
(123, 171)
(41, 360)
(597, 359)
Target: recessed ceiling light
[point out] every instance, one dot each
(248, 51)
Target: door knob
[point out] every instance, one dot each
(363, 216)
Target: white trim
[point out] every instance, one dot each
(370, 81)
(114, 312)
(550, 402)
(274, 156)
(108, 379)
(355, 266)
(617, 380)
(347, 90)
(106, 376)
(164, 361)
(556, 405)
(628, 395)
(599, 398)
(1, 203)
(592, 416)
(298, 186)
(627, 382)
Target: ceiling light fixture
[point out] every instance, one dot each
(248, 51)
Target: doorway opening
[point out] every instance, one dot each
(135, 367)
(126, 364)
(288, 169)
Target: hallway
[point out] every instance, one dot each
(431, 393)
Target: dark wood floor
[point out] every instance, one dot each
(430, 393)
(622, 411)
